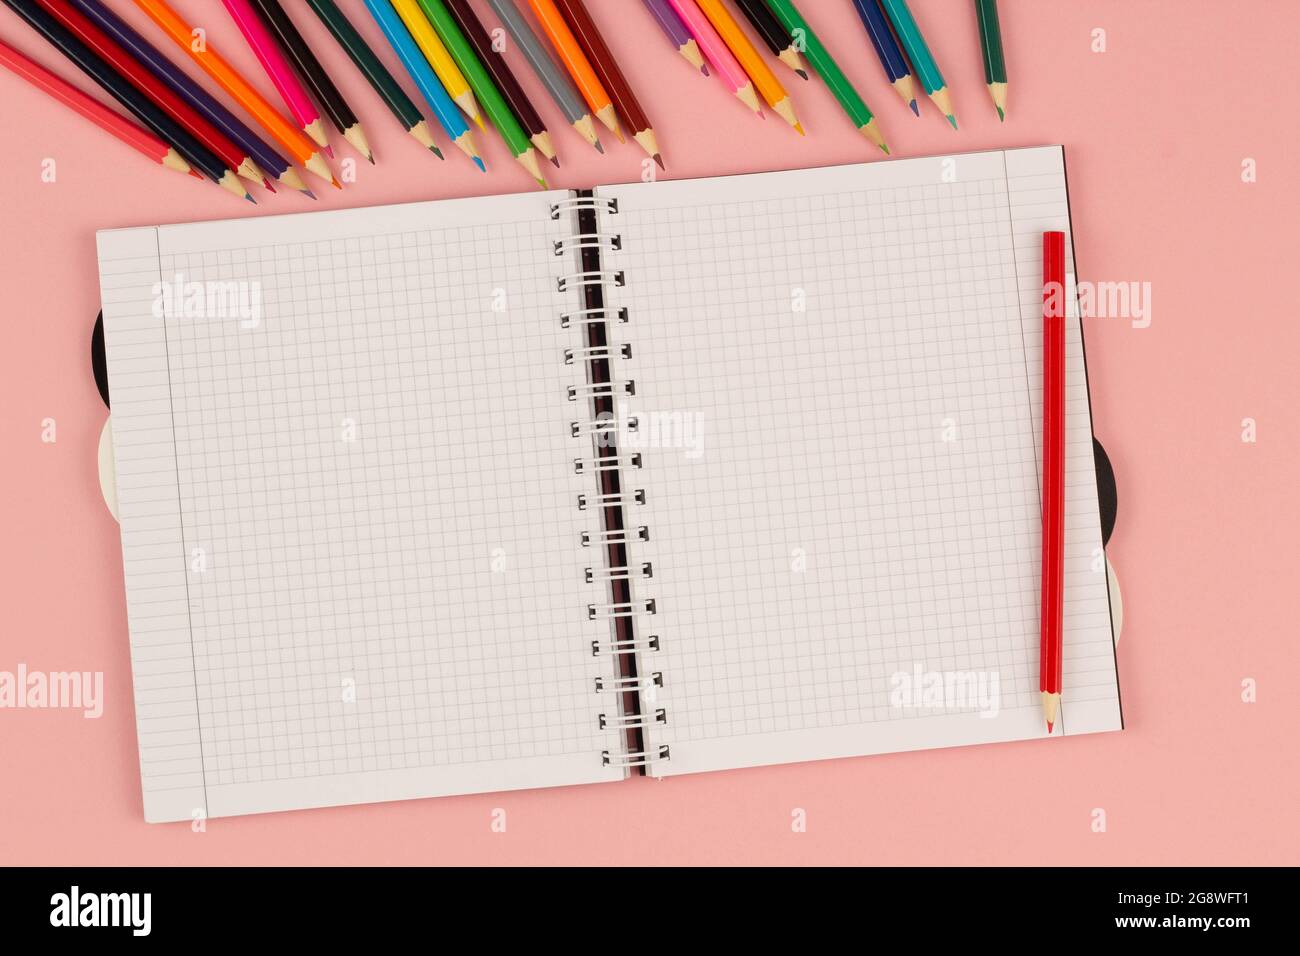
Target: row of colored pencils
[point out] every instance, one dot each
(449, 54)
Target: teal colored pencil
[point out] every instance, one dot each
(918, 52)
(418, 67)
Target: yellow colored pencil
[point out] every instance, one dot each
(439, 58)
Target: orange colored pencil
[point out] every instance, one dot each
(576, 62)
(289, 136)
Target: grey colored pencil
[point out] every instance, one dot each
(557, 82)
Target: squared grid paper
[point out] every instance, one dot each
(867, 498)
(380, 481)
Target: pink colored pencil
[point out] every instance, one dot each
(278, 69)
(717, 53)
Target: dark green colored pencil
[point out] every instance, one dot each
(995, 63)
(383, 83)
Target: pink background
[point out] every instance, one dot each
(1156, 130)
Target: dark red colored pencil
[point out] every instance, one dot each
(611, 77)
(495, 63)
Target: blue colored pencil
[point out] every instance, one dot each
(887, 49)
(422, 73)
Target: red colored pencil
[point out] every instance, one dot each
(1053, 585)
(93, 110)
(154, 89)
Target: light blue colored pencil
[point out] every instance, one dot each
(421, 72)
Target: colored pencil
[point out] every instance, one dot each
(440, 58)
(131, 69)
(577, 64)
(776, 37)
(434, 93)
(919, 55)
(1053, 582)
(822, 61)
(376, 74)
(718, 53)
(995, 62)
(578, 18)
(500, 75)
(556, 81)
(888, 52)
(139, 105)
(286, 82)
(106, 119)
(282, 131)
(256, 152)
(769, 87)
(679, 35)
(314, 76)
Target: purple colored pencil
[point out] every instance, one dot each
(677, 33)
(188, 90)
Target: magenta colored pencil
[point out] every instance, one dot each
(717, 52)
(278, 69)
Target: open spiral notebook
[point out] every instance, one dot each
(548, 489)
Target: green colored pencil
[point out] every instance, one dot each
(826, 67)
(489, 97)
(918, 52)
(995, 63)
(383, 83)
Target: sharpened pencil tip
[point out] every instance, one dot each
(267, 183)
(329, 151)
(479, 119)
(915, 109)
(371, 157)
(600, 149)
(953, 120)
(437, 152)
(250, 199)
(704, 68)
(555, 161)
(308, 192)
(336, 184)
(798, 128)
(803, 73)
(542, 182)
(1002, 116)
(478, 161)
(884, 148)
(1049, 726)
(660, 160)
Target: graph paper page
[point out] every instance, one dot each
(350, 540)
(838, 389)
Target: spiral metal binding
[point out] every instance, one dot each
(610, 468)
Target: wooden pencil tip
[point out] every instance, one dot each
(308, 192)
(915, 109)
(803, 73)
(328, 151)
(478, 161)
(267, 183)
(660, 160)
(542, 182)
(953, 120)
(336, 184)
(371, 157)
(479, 119)
(1049, 726)
(1002, 114)
(555, 161)
(437, 152)
(798, 128)
(250, 198)
(884, 149)
(704, 68)
(600, 149)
